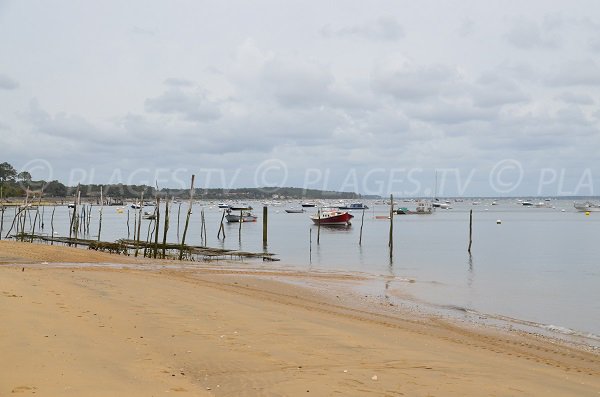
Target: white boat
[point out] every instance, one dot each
(224, 205)
(588, 206)
(444, 206)
(245, 217)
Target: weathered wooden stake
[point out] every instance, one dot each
(178, 213)
(391, 240)
(157, 217)
(187, 219)
(319, 227)
(100, 214)
(139, 224)
(52, 226)
(165, 228)
(362, 221)
(470, 230)
(1, 220)
(221, 227)
(265, 225)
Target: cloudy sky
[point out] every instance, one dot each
(496, 98)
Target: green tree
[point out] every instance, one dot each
(24, 176)
(7, 172)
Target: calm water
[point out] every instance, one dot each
(540, 265)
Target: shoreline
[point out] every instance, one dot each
(302, 335)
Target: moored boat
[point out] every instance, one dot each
(309, 205)
(332, 218)
(240, 207)
(353, 206)
(295, 211)
(588, 206)
(246, 216)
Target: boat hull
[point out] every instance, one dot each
(236, 218)
(332, 218)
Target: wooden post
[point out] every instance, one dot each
(187, 219)
(221, 227)
(1, 219)
(265, 226)
(128, 233)
(33, 228)
(157, 225)
(391, 239)
(362, 221)
(100, 214)
(52, 226)
(319, 226)
(178, 213)
(202, 235)
(470, 230)
(139, 224)
(165, 228)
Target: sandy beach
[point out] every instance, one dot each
(74, 330)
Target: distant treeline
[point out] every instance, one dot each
(15, 184)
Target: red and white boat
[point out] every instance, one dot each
(332, 218)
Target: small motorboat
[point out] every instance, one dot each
(353, 206)
(587, 207)
(136, 206)
(149, 215)
(309, 205)
(240, 207)
(295, 211)
(332, 218)
(246, 216)
(224, 205)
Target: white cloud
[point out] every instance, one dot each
(383, 28)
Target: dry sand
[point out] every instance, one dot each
(76, 331)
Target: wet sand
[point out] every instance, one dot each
(78, 331)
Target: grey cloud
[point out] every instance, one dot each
(177, 82)
(414, 83)
(526, 35)
(491, 90)
(576, 73)
(575, 98)
(466, 28)
(7, 83)
(441, 112)
(297, 84)
(189, 106)
(595, 44)
(383, 28)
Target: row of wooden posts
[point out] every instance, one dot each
(80, 223)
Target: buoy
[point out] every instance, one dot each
(563, 210)
(498, 222)
(587, 213)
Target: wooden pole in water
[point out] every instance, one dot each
(52, 226)
(100, 214)
(178, 213)
(265, 225)
(221, 227)
(128, 233)
(362, 221)
(165, 229)
(157, 212)
(391, 240)
(470, 230)
(1, 220)
(319, 226)
(139, 224)
(204, 229)
(187, 219)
